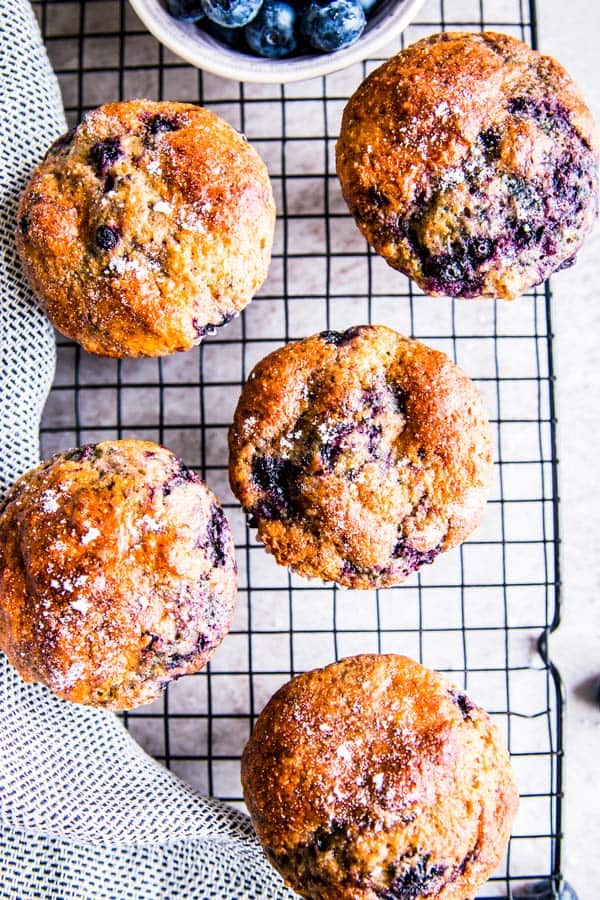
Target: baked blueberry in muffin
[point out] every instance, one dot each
(146, 227)
(360, 455)
(117, 573)
(470, 163)
(376, 779)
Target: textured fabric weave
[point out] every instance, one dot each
(84, 812)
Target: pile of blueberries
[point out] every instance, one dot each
(276, 28)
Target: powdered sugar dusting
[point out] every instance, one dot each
(154, 167)
(81, 605)
(378, 781)
(344, 752)
(90, 535)
(49, 501)
(150, 524)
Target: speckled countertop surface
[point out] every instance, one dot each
(571, 33)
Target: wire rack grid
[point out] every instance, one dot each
(483, 612)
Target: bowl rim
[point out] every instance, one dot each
(212, 56)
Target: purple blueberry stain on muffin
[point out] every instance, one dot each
(276, 477)
(449, 274)
(463, 702)
(419, 879)
(201, 329)
(177, 659)
(400, 396)
(349, 569)
(339, 338)
(162, 124)
(218, 536)
(374, 399)
(374, 435)
(537, 135)
(331, 840)
(334, 443)
(181, 475)
(491, 141)
(548, 113)
(413, 559)
(105, 154)
(332, 337)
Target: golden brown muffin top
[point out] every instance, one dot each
(116, 573)
(375, 777)
(470, 163)
(145, 226)
(360, 455)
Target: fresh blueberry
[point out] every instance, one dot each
(228, 36)
(231, 13)
(186, 10)
(329, 26)
(480, 249)
(338, 338)
(332, 337)
(271, 33)
(399, 396)
(447, 269)
(491, 140)
(103, 154)
(107, 237)
(368, 6)
(160, 124)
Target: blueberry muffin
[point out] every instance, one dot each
(145, 227)
(375, 778)
(117, 573)
(470, 163)
(360, 455)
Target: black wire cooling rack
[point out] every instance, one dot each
(483, 612)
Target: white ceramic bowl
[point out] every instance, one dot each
(201, 50)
